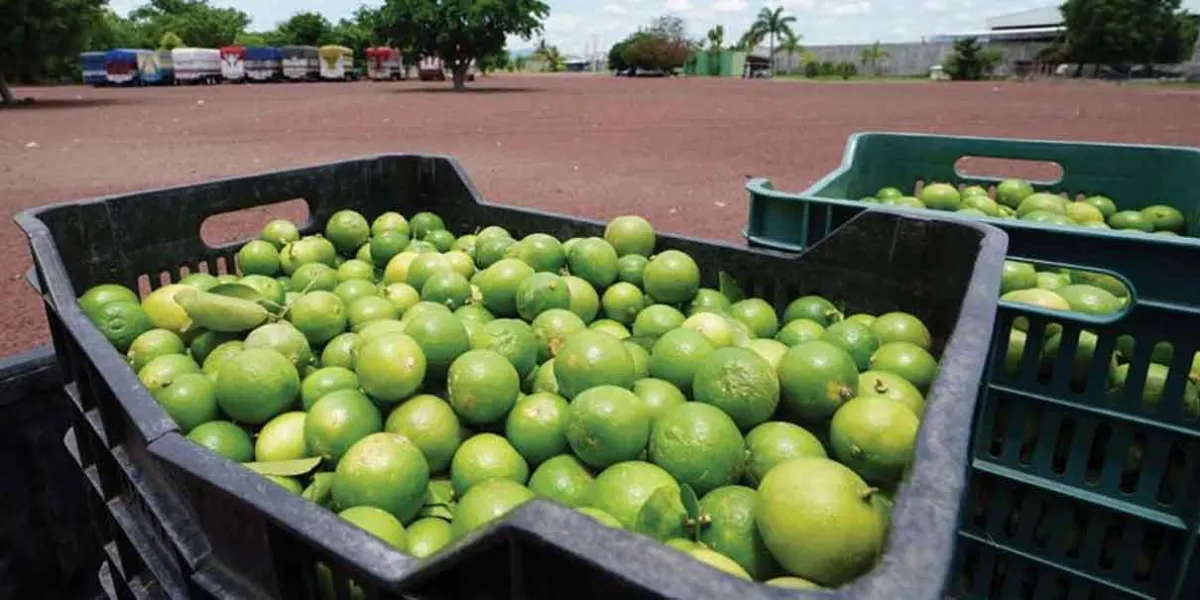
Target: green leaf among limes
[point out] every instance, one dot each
(285, 468)
(320, 491)
(728, 286)
(237, 290)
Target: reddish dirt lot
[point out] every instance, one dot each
(676, 151)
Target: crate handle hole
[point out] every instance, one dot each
(235, 226)
(982, 167)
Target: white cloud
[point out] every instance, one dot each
(730, 5)
(842, 9)
(796, 4)
(611, 8)
(678, 6)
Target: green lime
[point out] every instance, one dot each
(630, 234)
(698, 445)
(258, 258)
(672, 277)
(541, 292)
(1052, 281)
(909, 361)
(774, 442)
(486, 456)
(604, 518)
(121, 322)
(813, 308)
(96, 297)
(817, 519)
(493, 231)
(282, 438)
(422, 310)
(1082, 212)
(339, 419)
(430, 423)
(716, 328)
(590, 358)
(369, 309)
(585, 302)
(640, 357)
(622, 302)
(378, 523)
(489, 251)
(220, 355)
(594, 261)
(466, 243)
(799, 331)
(483, 386)
(424, 222)
(288, 483)
(622, 489)
(364, 254)
(486, 502)
(658, 395)
(190, 400)
(663, 515)
(201, 281)
(740, 383)
(320, 316)
(441, 239)
(160, 306)
(280, 232)
(151, 345)
(397, 269)
(611, 328)
(708, 300)
(756, 314)
(901, 327)
(461, 262)
(352, 290)
(224, 438)
(324, 381)
(875, 436)
(1015, 276)
(390, 221)
(536, 426)
(256, 386)
(384, 470)
(816, 378)
(941, 196)
(162, 371)
(271, 289)
(677, 355)
(204, 343)
(551, 328)
(306, 251)
(1090, 300)
(683, 545)
(315, 277)
(1131, 220)
(630, 268)
(772, 351)
(513, 339)
(562, 479)
(655, 321)
(424, 266)
(386, 245)
(544, 379)
(1105, 205)
(855, 338)
(426, 537)
(1011, 192)
(341, 351)
(390, 367)
(881, 383)
(981, 203)
(227, 278)
(474, 313)
(792, 583)
(607, 424)
(498, 285)
(347, 230)
(731, 530)
(442, 339)
(355, 269)
(542, 252)
(448, 288)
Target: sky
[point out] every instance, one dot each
(577, 26)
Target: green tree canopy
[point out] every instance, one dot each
(459, 32)
(39, 36)
(662, 46)
(170, 41)
(196, 21)
(305, 29)
(971, 61)
(1119, 33)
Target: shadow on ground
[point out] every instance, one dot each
(64, 103)
(468, 90)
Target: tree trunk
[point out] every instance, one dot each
(772, 51)
(6, 96)
(459, 75)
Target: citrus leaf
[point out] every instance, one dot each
(728, 286)
(320, 490)
(690, 503)
(286, 468)
(440, 492)
(237, 290)
(440, 511)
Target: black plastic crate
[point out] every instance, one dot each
(217, 516)
(49, 544)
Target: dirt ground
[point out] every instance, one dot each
(677, 151)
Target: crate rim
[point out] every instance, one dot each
(931, 494)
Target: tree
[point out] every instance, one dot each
(170, 41)
(751, 39)
(873, 56)
(661, 46)
(791, 45)
(1119, 33)
(495, 62)
(305, 29)
(196, 21)
(971, 61)
(107, 29)
(552, 59)
(37, 35)
(716, 42)
(460, 32)
(773, 24)
(349, 34)
(618, 56)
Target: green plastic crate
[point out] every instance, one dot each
(1073, 492)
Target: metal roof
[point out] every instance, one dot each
(1003, 34)
(1034, 17)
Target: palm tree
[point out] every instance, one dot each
(752, 38)
(549, 55)
(872, 56)
(716, 40)
(791, 45)
(774, 24)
